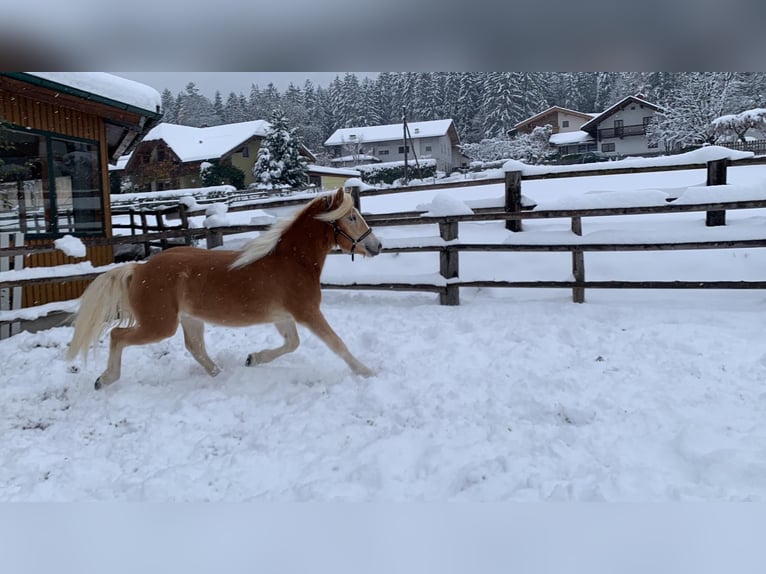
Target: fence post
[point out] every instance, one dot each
(160, 217)
(145, 231)
(355, 194)
(578, 264)
(716, 175)
(513, 199)
(213, 238)
(182, 209)
(10, 298)
(449, 264)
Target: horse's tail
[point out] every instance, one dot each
(103, 305)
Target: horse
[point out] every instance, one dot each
(275, 278)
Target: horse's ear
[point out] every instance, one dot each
(338, 201)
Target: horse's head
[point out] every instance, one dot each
(352, 234)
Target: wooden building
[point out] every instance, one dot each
(58, 133)
(171, 156)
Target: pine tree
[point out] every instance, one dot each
(169, 109)
(195, 109)
(279, 162)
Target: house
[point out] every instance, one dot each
(437, 139)
(562, 120)
(171, 156)
(621, 130)
(329, 178)
(58, 133)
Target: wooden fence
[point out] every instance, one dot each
(150, 227)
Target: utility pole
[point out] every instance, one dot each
(404, 139)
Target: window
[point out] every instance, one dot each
(607, 147)
(428, 148)
(404, 149)
(49, 184)
(383, 152)
(565, 123)
(246, 151)
(618, 128)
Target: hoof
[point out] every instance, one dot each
(97, 386)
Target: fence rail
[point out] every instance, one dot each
(514, 212)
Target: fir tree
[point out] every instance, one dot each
(195, 109)
(279, 162)
(169, 108)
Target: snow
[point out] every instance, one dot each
(389, 132)
(183, 195)
(195, 144)
(515, 395)
(695, 157)
(567, 138)
(216, 215)
(71, 246)
(443, 205)
(108, 86)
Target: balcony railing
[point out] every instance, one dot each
(639, 130)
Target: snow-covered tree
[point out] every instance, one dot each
(279, 162)
(196, 110)
(169, 107)
(737, 125)
(691, 107)
(530, 148)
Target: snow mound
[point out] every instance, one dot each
(443, 205)
(71, 246)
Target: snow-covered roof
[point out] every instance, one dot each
(553, 109)
(107, 86)
(195, 144)
(568, 138)
(638, 99)
(321, 169)
(390, 132)
(355, 157)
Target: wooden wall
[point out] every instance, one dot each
(27, 106)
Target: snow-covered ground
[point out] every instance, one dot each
(515, 395)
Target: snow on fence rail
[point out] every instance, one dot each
(448, 246)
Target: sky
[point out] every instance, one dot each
(226, 82)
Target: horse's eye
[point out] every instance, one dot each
(352, 218)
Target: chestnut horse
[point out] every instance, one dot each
(274, 279)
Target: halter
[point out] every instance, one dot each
(338, 231)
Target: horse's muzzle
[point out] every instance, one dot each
(372, 245)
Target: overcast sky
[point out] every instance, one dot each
(225, 82)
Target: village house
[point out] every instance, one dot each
(171, 156)
(59, 131)
(619, 131)
(561, 120)
(622, 129)
(437, 140)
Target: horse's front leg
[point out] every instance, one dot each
(321, 328)
(288, 330)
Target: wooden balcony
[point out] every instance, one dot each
(638, 130)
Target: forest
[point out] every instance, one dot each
(483, 105)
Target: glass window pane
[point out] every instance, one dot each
(24, 182)
(79, 202)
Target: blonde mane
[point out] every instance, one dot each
(267, 241)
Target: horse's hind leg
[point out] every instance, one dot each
(321, 328)
(194, 339)
(122, 337)
(288, 330)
